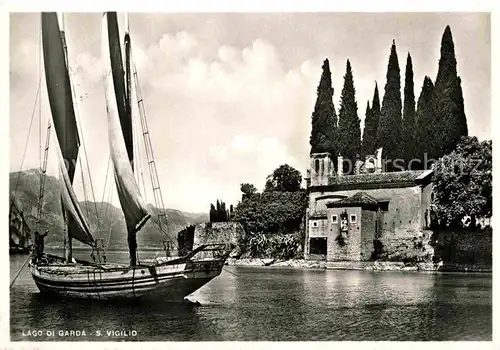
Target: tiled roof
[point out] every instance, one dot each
(358, 199)
(381, 178)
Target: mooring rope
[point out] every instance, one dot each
(22, 267)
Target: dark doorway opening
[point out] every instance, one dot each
(317, 248)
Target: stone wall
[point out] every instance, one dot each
(368, 219)
(318, 227)
(415, 247)
(217, 232)
(348, 247)
(399, 228)
(406, 206)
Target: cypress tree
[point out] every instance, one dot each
(223, 212)
(324, 118)
(212, 213)
(389, 129)
(366, 137)
(426, 147)
(349, 132)
(409, 114)
(448, 98)
(217, 215)
(371, 124)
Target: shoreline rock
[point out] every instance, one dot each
(359, 265)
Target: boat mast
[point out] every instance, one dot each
(128, 84)
(131, 237)
(43, 168)
(68, 244)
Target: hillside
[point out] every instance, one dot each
(108, 216)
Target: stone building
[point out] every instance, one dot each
(350, 216)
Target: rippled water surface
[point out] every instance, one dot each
(247, 303)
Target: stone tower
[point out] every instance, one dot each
(320, 169)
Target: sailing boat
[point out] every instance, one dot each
(20, 240)
(169, 278)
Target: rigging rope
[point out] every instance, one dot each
(43, 175)
(139, 165)
(40, 100)
(79, 126)
(111, 223)
(84, 190)
(28, 137)
(22, 267)
(77, 115)
(105, 184)
(152, 167)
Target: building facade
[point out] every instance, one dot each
(349, 215)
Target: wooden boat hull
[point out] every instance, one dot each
(170, 280)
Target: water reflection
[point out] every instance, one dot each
(280, 304)
(151, 320)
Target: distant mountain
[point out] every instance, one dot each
(104, 219)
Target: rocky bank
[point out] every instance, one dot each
(359, 265)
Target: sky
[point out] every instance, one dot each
(229, 96)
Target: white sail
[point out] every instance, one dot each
(77, 225)
(131, 202)
(63, 117)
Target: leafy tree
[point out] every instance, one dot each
(349, 132)
(324, 117)
(389, 129)
(426, 148)
(448, 98)
(409, 114)
(273, 219)
(285, 179)
(371, 125)
(272, 212)
(248, 190)
(462, 182)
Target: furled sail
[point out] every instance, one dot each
(63, 117)
(132, 204)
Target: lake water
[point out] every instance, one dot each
(275, 304)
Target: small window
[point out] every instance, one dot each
(384, 206)
(335, 219)
(314, 223)
(353, 218)
(316, 165)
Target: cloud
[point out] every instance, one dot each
(215, 123)
(228, 106)
(240, 115)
